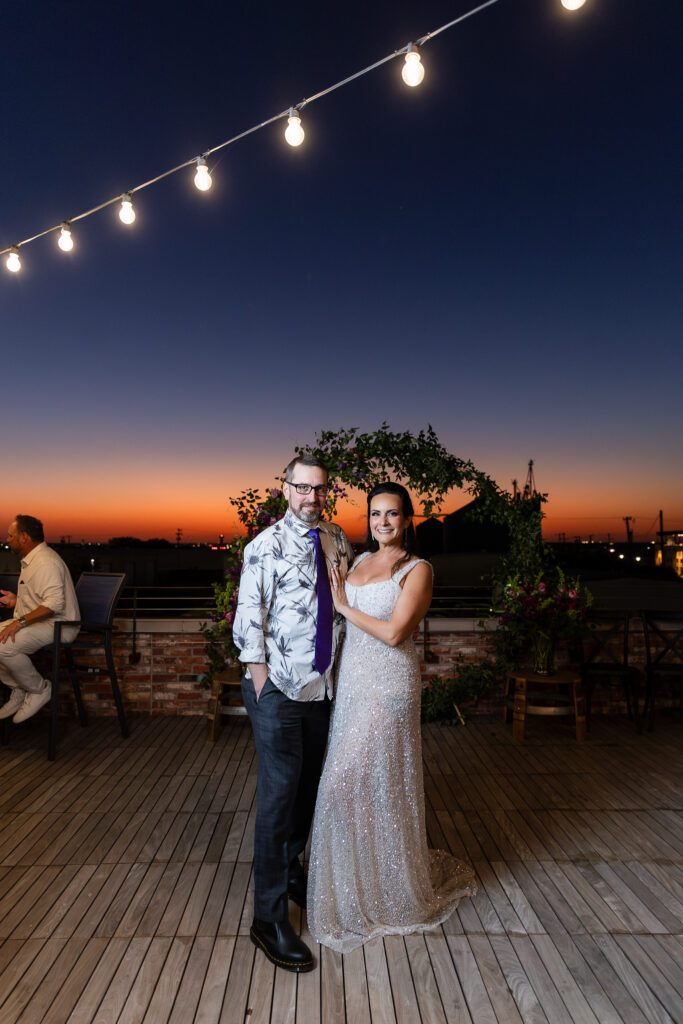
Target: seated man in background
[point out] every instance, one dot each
(45, 593)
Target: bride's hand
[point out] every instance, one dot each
(337, 579)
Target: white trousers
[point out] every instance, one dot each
(16, 668)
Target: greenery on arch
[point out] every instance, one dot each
(361, 460)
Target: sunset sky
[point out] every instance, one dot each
(496, 252)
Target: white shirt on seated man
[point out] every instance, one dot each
(45, 594)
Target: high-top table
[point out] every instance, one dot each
(523, 688)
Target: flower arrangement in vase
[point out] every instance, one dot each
(537, 613)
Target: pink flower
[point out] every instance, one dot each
(272, 520)
(229, 616)
(274, 493)
(572, 593)
(541, 587)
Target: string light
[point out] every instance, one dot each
(294, 133)
(127, 213)
(65, 241)
(413, 70)
(13, 262)
(202, 178)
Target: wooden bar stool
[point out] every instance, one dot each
(523, 689)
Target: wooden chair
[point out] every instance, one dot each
(663, 632)
(8, 581)
(98, 595)
(604, 655)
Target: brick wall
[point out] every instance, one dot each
(164, 677)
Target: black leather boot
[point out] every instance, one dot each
(282, 945)
(296, 890)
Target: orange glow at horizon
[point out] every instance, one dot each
(154, 495)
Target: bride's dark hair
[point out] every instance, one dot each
(409, 542)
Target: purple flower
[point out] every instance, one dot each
(229, 616)
(275, 493)
(341, 465)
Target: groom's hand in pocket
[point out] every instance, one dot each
(259, 674)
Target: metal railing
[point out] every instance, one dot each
(165, 603)
(197, 602)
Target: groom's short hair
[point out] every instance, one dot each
(304, 460)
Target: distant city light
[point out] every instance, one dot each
(637, 558)
(572, 5)
(621, 556)
(413, 70)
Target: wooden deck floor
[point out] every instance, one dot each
(125, 871)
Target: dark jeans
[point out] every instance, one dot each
(290, 738)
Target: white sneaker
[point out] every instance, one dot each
(14, 703)
(33, 702)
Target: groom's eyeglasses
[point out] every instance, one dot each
(321, 490)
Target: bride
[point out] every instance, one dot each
(370, 870)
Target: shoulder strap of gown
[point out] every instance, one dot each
(357, 561)
(405, 569)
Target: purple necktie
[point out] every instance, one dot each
(323, 627)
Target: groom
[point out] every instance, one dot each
(286, 632)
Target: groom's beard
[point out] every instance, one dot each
(310, 516)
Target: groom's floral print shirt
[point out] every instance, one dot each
(277, 608)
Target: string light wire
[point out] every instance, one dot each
(257, 127)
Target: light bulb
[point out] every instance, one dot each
(294, 133)
(65, 242)
(572, 5)
(13, 262)
(202, 178)
(413, 70)
(127, 213)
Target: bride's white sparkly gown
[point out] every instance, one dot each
(370, 870)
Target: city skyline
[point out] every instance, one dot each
(495, 252)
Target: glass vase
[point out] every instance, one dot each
(544, 654)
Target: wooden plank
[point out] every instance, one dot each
(637, 987)
(197, 901)
(331, 986)
(525, 998)
(450, 991)
(51, 982)
(649, 970)
(497, 989)
(379, 985)
(237, 989)
(25, 986)
(25, 918)
(159, 901)
(566, 984)
(192, 981)
(139, 902)
(471, 981)
(308, 991)
(355, 988)
(216, 900)
(72, 982)
(283, 1006)
(121, 984)
(544, 987)
(215, 982)
(175, 908)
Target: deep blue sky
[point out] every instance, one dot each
(496, 252)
